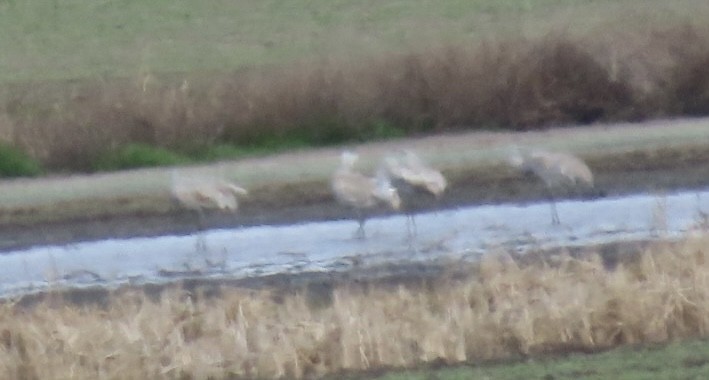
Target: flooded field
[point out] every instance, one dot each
(329, 246)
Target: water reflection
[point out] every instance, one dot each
(328, 246)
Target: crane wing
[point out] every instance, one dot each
(354, 189)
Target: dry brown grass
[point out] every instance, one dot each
(605, 74)
(501, 309)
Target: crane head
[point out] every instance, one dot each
(411, 158)
(393, 198)
(236, 190)
(393, 166)
(515, 157)
(348, 158)
(409, 167)
(435, 183)
(385, 191)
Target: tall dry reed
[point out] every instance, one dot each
(502, 309)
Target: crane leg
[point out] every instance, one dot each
(360, 231)
(552, 202)
(411, 229)
(554, 214)
(702, 216)
(359, 234)
(411, 232)
(201, 246)
(201, 226)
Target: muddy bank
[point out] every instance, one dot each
(615, 175)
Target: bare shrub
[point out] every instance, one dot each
(656, 62)
(689, 82)
(559, 82)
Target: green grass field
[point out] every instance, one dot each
(68, 39)
(686, 360)
(52, 39)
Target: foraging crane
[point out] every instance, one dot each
(201, 193)
(360, 192)
(416, 182)
(555, 169)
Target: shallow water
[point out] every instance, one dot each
(464, 233)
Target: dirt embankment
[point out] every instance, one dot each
(653, 157)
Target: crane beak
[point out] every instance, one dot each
(239, 190)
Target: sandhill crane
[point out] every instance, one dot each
(199, 193)
(555, 169)
(360, 192)
(416, 182)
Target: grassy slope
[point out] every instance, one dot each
(687, 360)
(43, 39)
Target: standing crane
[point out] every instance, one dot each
(555, 169)
(361, 192)
(417, 183)
(202, 193)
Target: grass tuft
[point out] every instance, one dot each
(137, 156)
(16, 163)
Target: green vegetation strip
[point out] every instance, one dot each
(681, 360)
(140, 155)
(16, 163)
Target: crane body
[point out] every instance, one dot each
(360, 192)
(200, 193)
(557, 170)
(418, 184)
